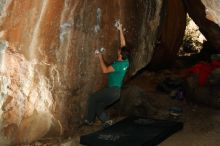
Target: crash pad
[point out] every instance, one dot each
(133, 131)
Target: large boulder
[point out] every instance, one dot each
(135, 102)
(209, 94)
(48, 66)
(170, 34)
(205, 13)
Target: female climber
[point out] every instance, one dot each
(100, 100)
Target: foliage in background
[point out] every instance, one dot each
(193, 39)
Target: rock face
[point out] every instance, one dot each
(141, 106)
(170, 34)
(205, 13)
(48, 65)
(209, 94)
(47, 56)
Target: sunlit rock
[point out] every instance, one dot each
(212, 10)
(193, 39)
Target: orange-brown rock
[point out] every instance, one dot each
(48, 66)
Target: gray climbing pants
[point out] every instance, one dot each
(98, 102)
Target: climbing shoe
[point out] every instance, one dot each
(107, 123)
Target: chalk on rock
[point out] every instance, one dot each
(102, 50)
(3, 45)
(117, 24)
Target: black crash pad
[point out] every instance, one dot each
(133, 131)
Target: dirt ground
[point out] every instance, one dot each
(201, 128)
(201, 124)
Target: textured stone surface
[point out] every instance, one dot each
(138, 107)
(47, 61)
(209, 94)
(170, 34)
(48, 66)
(205, 13)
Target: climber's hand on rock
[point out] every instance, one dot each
(97, 52)
(120, 27)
